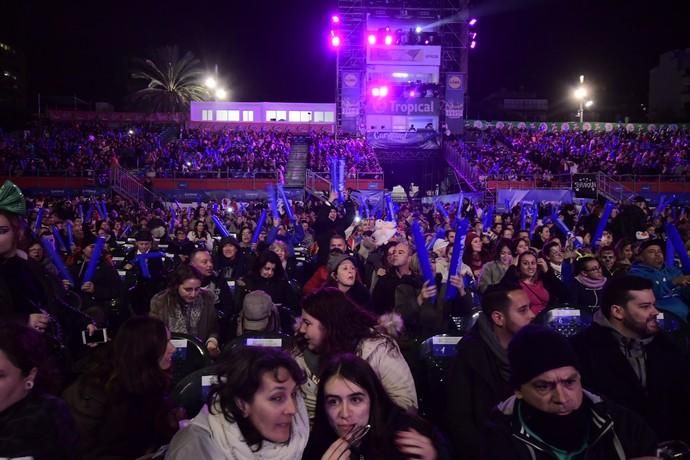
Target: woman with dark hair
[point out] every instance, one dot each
(530, 273)
(624, 256)
(588, 285)
(200, 235)
(493, 272)
(230, 263)
(519, 246)
(541, 236)
(474, 254)
(32, 423)
(267, 275)
(121, 404)
(351, 397)
(254, 411)
(186, 308)
(343, 275)
(331, 324)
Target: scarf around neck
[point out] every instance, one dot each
(228, 437)
(589, 283)
(487, 335)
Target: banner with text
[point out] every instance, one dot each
(455, 101)
(349, 102)
(410, 55)
(585, 185)
(403, 107)
(422, 139)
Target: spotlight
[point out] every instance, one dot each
(130, 132)
(473, 21)
(372, 39)
(389, 40)
(383, 91)
(210, 83)
(335, 41)
(335, 19)
(473, 44)
(375, 92)
(418, 30)
(412, 93)
(221, 93)
(400, 75)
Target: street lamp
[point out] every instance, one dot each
(210, 83)
(581, 94)
(221, 94)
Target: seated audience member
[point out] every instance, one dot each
(624, 255)
(36, 253)
(337, 242)
(180, 246)
(587, 287)
(258, 316)
(230, 262)
(200, 236)
(531, 275)
(33, 424)
(331, 324)
(479, 376)
(121, 405)
(186, 308)
(671, 287)
(255, 411)
(493, 272)
(541, 236)
(624, 356)
(555, 262)
(399, 258)
(475, 254)
(267, 275)
(145, 287)
(552, 416)
(343, 275)
(607, 259)
(350, 398)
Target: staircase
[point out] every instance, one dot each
(296, 168)
(128, 185)
(462, 169)
(612, 190)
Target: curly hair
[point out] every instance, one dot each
(264, 258)
(344, 322)
(240, 375)
(183, 273)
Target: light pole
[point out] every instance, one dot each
(581, 94)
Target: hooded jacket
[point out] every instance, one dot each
(667, 296)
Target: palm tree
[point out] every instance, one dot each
(173, 81)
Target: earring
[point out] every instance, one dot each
(29, 384)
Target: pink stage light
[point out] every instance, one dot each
(473, 21)
(335, 19)
(473, 44)
(372, 39)
(383, 91)
(375, 92)
(389, 40)
(335, 41)
(412, 93)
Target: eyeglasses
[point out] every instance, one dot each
(593, 269)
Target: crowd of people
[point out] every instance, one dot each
(350, 302)
(513, 153)
(80, 149)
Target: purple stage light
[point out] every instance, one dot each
(383, 91)
(335, 41)
(372, 39)
(473, 44)
(412, 93)
(389, 40)
(375, 92)
(335, 19)
(473, 21)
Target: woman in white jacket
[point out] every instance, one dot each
(331, 323)
(255, 411)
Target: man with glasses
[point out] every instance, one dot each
(626, 357)
(552, 416)
(671, 287)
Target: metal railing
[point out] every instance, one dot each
(320, 180)
(457, 160)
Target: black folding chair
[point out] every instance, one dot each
(191, 392)
(436, 356)
(190, 355)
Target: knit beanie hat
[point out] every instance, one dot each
(535, 350)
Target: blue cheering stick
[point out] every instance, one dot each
(682, 253)
(567, 232)
(535, 219)
(173, 218)
(59, 242)
(458, 248)
(422, 254)
(442, 210)
(141, 260)
(272, 199)
(288, 208)
(95, 258)
(220, 226)
(602, 224)
(57, 260)
(70, 235)
(259, 226)
(39, 221)
(670, 254)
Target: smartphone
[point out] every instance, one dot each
(99, 336)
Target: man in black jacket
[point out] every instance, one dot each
(552, 417)
(625, 357)
(478, 378)
(328, 223)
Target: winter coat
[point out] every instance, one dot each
(492, 273)
(475, 387)
(664, 404)
(165, 306)
(385, 358)
(585, 297)
(614, 434)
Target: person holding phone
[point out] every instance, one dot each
(356, 419)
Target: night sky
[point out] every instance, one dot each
(274, 50)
